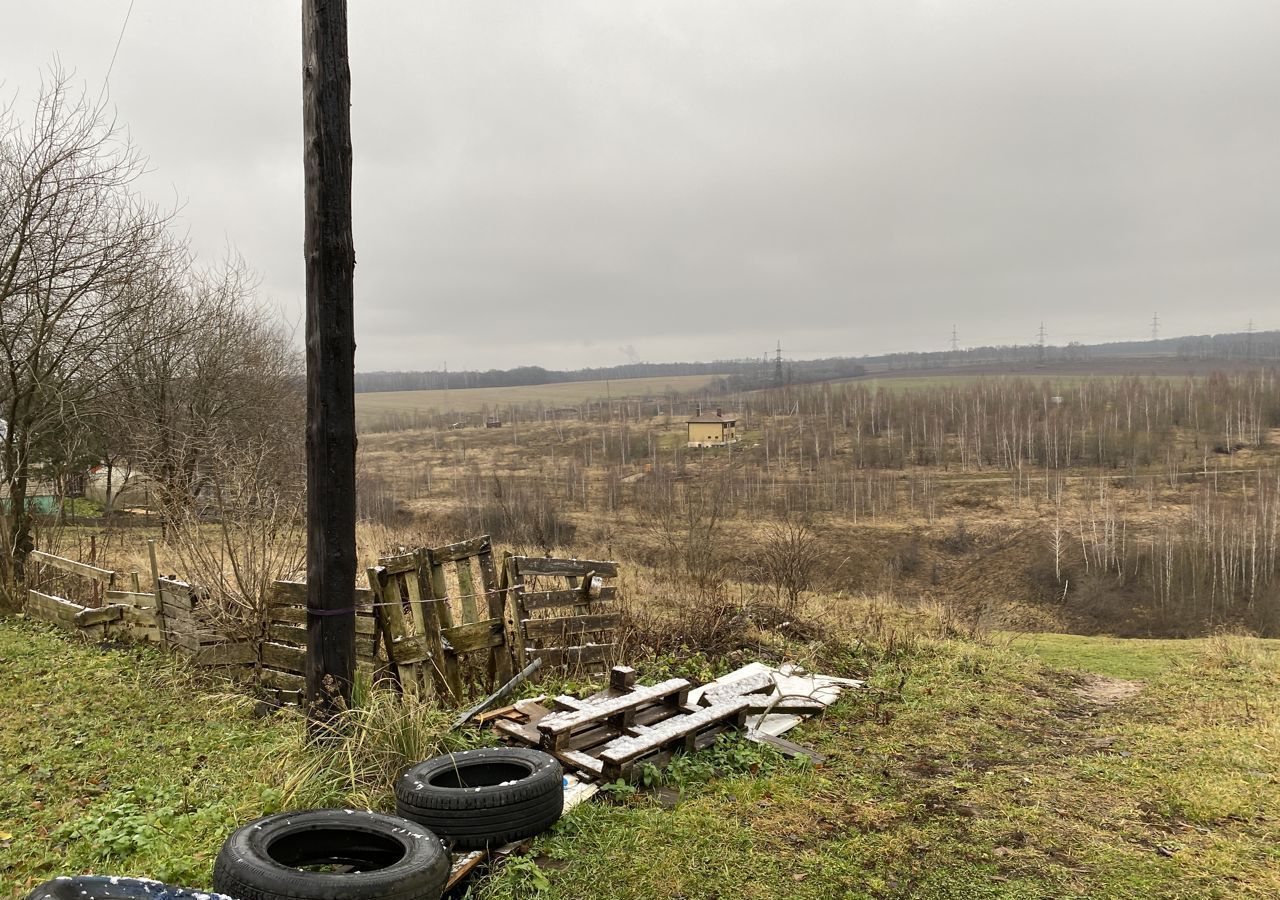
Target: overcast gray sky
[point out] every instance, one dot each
(570, 184)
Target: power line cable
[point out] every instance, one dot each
(119, 39)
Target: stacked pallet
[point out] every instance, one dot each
(607, 734)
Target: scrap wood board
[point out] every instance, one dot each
(607, 734)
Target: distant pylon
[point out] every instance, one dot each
(955, 343)
(777, 367)
(1041, 334)
(1155, 326)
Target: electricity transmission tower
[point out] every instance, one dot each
(777, 367)
(955, 343)
(1155, 326)
(1041, 345)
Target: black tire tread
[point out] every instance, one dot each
(491, 816)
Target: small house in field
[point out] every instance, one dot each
(716, 430)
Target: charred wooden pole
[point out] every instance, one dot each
(330, 333)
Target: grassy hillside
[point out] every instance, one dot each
(969, 770)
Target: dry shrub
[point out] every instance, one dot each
(789, 559)
(517, 514)
(1236, 649)
(251, 535)
(662, 617)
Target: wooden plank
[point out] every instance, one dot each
(469, 604)
(177, 640)
(155, 586)
(132, 598)
(410, 649)
(560, 628)
(282, 656)
(366, 643)
(475, 636)
(400, 563)
(52, 609)
(106, 576)
(785, 747)
(461, 550)
(720, 692)
(141, 618)
(500, 657)
(538, 565)
(787, 706)
(294, 593)
(588, 654)
(622, 752)
(436, 589)
(99, 616)
(581, 761)
(297, 615)
(535, 600)
(562, 722)
(230, 654)
(522, 732)
(288, 681)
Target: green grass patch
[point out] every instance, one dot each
(1114, 657)
(964, 771)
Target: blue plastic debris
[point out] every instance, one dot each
(115, 887)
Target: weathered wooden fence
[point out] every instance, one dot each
(440, 621)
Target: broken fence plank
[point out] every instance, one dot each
(474, 636)
(559, 628)
(106, 576)
(535, 600)
(570, 657)
(539, 565)
(460, 550)
(99, 616)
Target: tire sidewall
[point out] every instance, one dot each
(246, 858)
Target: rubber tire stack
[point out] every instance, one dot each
(263, 860)
(483, 798)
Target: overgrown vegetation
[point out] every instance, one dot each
(969, 769)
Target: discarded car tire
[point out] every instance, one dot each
(483, 798)
(111, 887)
(332, 854)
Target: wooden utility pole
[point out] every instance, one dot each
(331, 348)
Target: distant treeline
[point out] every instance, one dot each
(738, 374)
(1242, 346)
(761, 372)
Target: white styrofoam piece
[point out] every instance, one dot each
(789, 680)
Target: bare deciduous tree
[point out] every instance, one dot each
(79, 254)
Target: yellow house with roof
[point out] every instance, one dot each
(716, 430)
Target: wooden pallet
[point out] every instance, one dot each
(573, 628)
(606, 735)
(283, 654)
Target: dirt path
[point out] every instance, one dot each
(1102, 690)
